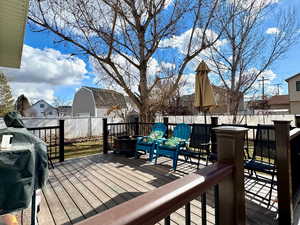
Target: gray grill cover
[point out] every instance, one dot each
(17, 169)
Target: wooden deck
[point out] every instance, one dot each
(82, 187)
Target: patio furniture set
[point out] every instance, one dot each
(195, 142)
(183, 141)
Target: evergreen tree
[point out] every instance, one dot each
(6, 99)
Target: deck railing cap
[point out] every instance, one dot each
(230, 129)
(282, 121)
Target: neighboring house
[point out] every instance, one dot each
(41, 109)
(89, 101)
(221, 97)
(272, 105)
(294, 93)
(131, 106)
(279, 102)
(64, 110)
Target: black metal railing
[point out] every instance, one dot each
(53, 136)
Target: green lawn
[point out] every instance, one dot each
(75, 150)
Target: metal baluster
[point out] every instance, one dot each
(51, 143)
(203, 208)
(56, 139)
(188, 214)
(168, 220)
(216, 192)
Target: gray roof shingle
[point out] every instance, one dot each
(106, 97)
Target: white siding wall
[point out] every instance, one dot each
(41, 109)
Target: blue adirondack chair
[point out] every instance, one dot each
(147, 144)
(171, 147)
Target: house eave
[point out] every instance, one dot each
(13, 18)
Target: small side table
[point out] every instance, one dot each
(125, 145)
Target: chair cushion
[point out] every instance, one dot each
(173, 141)
(260, 166)
(156, 134)
(153, 136)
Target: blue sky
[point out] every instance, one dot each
(48, 72)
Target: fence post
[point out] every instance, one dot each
(61, 140)
(297, 121)
(166, 122)
(90, 126)
(105, 136)
(136, 126)
(284, 176)
(230, 144)
(214, 123)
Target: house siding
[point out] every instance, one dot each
(41, 109)
(294, 95)
(83, 103)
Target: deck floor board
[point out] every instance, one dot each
(79, 188)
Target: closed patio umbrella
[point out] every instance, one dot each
(204, 97)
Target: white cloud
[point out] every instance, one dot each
(180, 42)
(42, 70)
(273, 30)
(269, 88)
(33, 91)
(48, 66)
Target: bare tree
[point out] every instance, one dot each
(123, 38)
(251, 47)
(6, 98)
(22, 105)
(62, 106)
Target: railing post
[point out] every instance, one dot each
(284, 177)
(214, 123)
(230, 148)
(297, 121)
(166, 122)
(136, 127)
(61, 140)
(105, 136)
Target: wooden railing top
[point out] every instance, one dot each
(157, 204)
(294, 133)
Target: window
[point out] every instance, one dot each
(50, 113)
(42, 105)
(297, 85)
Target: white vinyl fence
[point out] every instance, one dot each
(74, 127)
(244, 119)
(92, 126)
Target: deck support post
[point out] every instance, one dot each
(297, 121)
(61, 140)
(214, 123)
(105, 136)
(136, 126)
(230, 148)
(284, 176)
(166, 122)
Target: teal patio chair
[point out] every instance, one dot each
(171, 147)
(147, 144)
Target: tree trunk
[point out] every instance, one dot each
(234, 105)
(146, 115)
